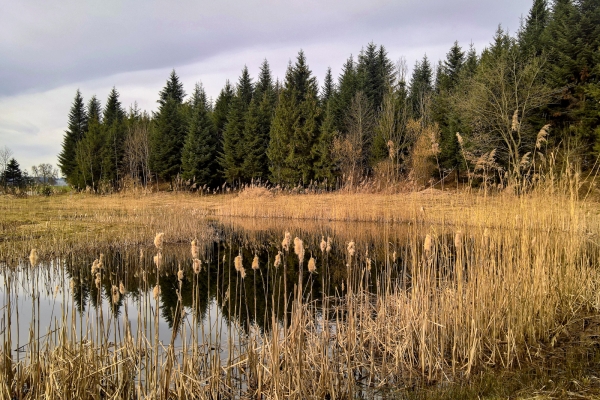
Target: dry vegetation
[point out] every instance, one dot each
(482, 284)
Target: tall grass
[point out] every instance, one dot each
(471, 283)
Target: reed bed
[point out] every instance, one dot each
(441, 290)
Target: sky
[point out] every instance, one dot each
(51, 48)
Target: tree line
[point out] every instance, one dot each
(495, 116)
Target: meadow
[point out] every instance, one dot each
(266, 294)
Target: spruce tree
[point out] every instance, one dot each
(234, 147)
(347, 87)
(170, 129)
(198, 159)
(531, 34)
(295, 128)
(113, 127)
(328, 88)
(220, 112)
(76, 129)
(420, 87)
(13, 176)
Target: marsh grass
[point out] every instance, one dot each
(473, 286)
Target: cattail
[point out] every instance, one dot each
(95, 267)
(299, 249)
(158, 240)
(116, 296)
(121, 288)
(515, 121)
(255, 262)
(141, 254)
(197, 265)
(98, 280)
(156, 292)
(277, 262)
(323, 244)
(343, 286)
(351, 248)
(458, 239)
(243, 273)
(158, 260)
(195, 249)
(368, 263)
(312, 265)
(328, 249)
(180, 274)
(285, 244)
(237, 262)
(101, 261)
(33, 257)
(394, 255)
(72, 284)
(428, 246)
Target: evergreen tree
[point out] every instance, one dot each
(420, 87)
(328, 88)
(375, 74)
(295, 128)
(265, 82)
(12, 175)
(234, 147)
(89, 156)
(347, 87)
(199, 151)
(220, 112)
(74, 133)
(94, 109)
(324, 166)
(113, 127)
(170, 129)
(531, 34)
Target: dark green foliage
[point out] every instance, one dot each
(328, 88)
(113, 127)
(89, 156)
(199, 152)
(375, 74)
(170, 129)
(347, 87)
(295, 128)
(94, 109)
(420, 87)
(325, 169)
(12, 175)
(234, 147)
(531, 35)
(78, 121)
(220, 112)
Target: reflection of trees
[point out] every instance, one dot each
(251, 301)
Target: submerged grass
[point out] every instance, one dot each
(489, 296)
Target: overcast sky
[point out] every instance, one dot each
(49, 48)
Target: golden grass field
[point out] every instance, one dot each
(497, 284)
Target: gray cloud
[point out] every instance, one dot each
(46, 44)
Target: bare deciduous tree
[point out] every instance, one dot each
(137, 152)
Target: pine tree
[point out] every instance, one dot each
(232, 158)
(13, 176)
(220, 112)
(94, 109)
(324, 166)
(89, 156)
(74, 133)
(170, 129)
(199, 151)
(347, 87)
(113, 127)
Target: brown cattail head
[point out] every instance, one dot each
(141, 254)
(180, 274)
(428, 245)
(33, 257)
(98, 280)
(195, 249)
(368, 263)
(95, 267)
(237, 263)
(277, 262)
(458, 239)
(158, 240)
(156, 292)
(299, 249)
(255, 262)
(394, 256)
(122, 289)
(285, 244)
(312, 265)
(351, 248)
(158, 260)
(243, 273)
(323, 244)
(328, 249)
(116, 296)
(197, 265)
